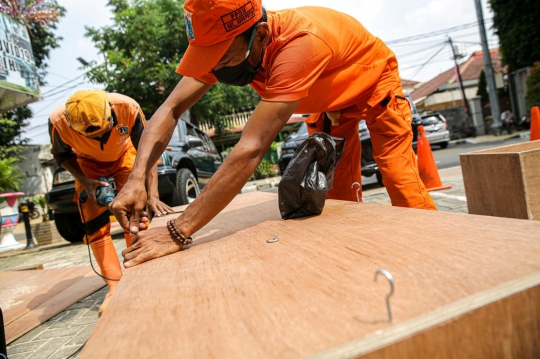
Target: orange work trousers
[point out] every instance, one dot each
(390, 126)
(96, 218)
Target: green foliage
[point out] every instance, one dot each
(42, 201)
(263, 168)
(533, 86)
(10, 176)
(482, 87)
(516, 24)
(142, 50)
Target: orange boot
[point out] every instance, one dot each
(107, 259)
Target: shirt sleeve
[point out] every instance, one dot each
(137, 129)
(296, 66)
(60, 150)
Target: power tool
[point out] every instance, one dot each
(104, 194)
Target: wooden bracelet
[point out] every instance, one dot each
(176, 234)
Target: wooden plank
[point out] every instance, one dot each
(507, 315)
(30, 267)
(494, 185)
(503, 181)
(530, 162)
(27, 290)
(80, 289)
(313, 290)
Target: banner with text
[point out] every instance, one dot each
(18, 79)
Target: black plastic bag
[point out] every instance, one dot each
(309, 176)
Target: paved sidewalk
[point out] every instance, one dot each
(493, 138)
(62, 335)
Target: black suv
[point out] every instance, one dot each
(191, 158)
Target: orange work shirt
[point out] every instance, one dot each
(126, 113)
(324, 58)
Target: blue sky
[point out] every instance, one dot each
(388, 19)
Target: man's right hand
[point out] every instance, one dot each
(91, 187)
(128, 206)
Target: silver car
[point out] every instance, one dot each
(436, 128)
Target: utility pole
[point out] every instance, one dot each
(460, 82)
(490, 77)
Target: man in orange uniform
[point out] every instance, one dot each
(304, 60)
(96, 134)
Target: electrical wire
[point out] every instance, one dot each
(431, 58)
(88, 245)
(435, 33)
(77, 351)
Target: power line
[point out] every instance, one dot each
(434, 33)
(431, 58)
(414, 52)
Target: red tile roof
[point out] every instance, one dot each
(408, 82)
(470, 70)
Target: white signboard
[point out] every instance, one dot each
(18, 79)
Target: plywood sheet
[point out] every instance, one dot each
(313, 290)
(29, 298)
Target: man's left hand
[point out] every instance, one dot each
(150, 244)
(155, 206)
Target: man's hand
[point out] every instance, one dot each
(155, 206)
(150, 244)
(128, 206)
(91, 187)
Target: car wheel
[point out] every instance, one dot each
(187, 188)
(379, 178)
(443, 145)
(70, 226)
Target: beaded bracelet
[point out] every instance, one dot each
(176, 234)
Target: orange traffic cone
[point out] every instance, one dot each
(535, 123)
(426, 164)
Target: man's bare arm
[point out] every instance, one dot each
(262, 128)
(132, 199)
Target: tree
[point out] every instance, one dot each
(516, 24)
(141, 52)
(533, 86)
(482, 87)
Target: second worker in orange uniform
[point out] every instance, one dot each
(96, 134)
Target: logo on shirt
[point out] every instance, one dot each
(122, 130)
(189, 25)
(238, 17)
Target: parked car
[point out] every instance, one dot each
(191, 158)
(436, 128)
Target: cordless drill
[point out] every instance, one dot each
(104, 194)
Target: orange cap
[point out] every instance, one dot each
(87, 108)
(211, 26)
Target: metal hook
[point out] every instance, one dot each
(273, 240)
(358, 190)
(391, 280)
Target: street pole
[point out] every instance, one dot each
(490, 76)
(460, 82)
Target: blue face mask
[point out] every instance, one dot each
(243, 73)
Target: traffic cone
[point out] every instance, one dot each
(535, 123)
(426, 164)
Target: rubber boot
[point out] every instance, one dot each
(107, 259)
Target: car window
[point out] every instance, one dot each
(176, 134)
(431, 120)
(302, 130)
(207, 143)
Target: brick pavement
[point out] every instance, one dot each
(62, 335)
